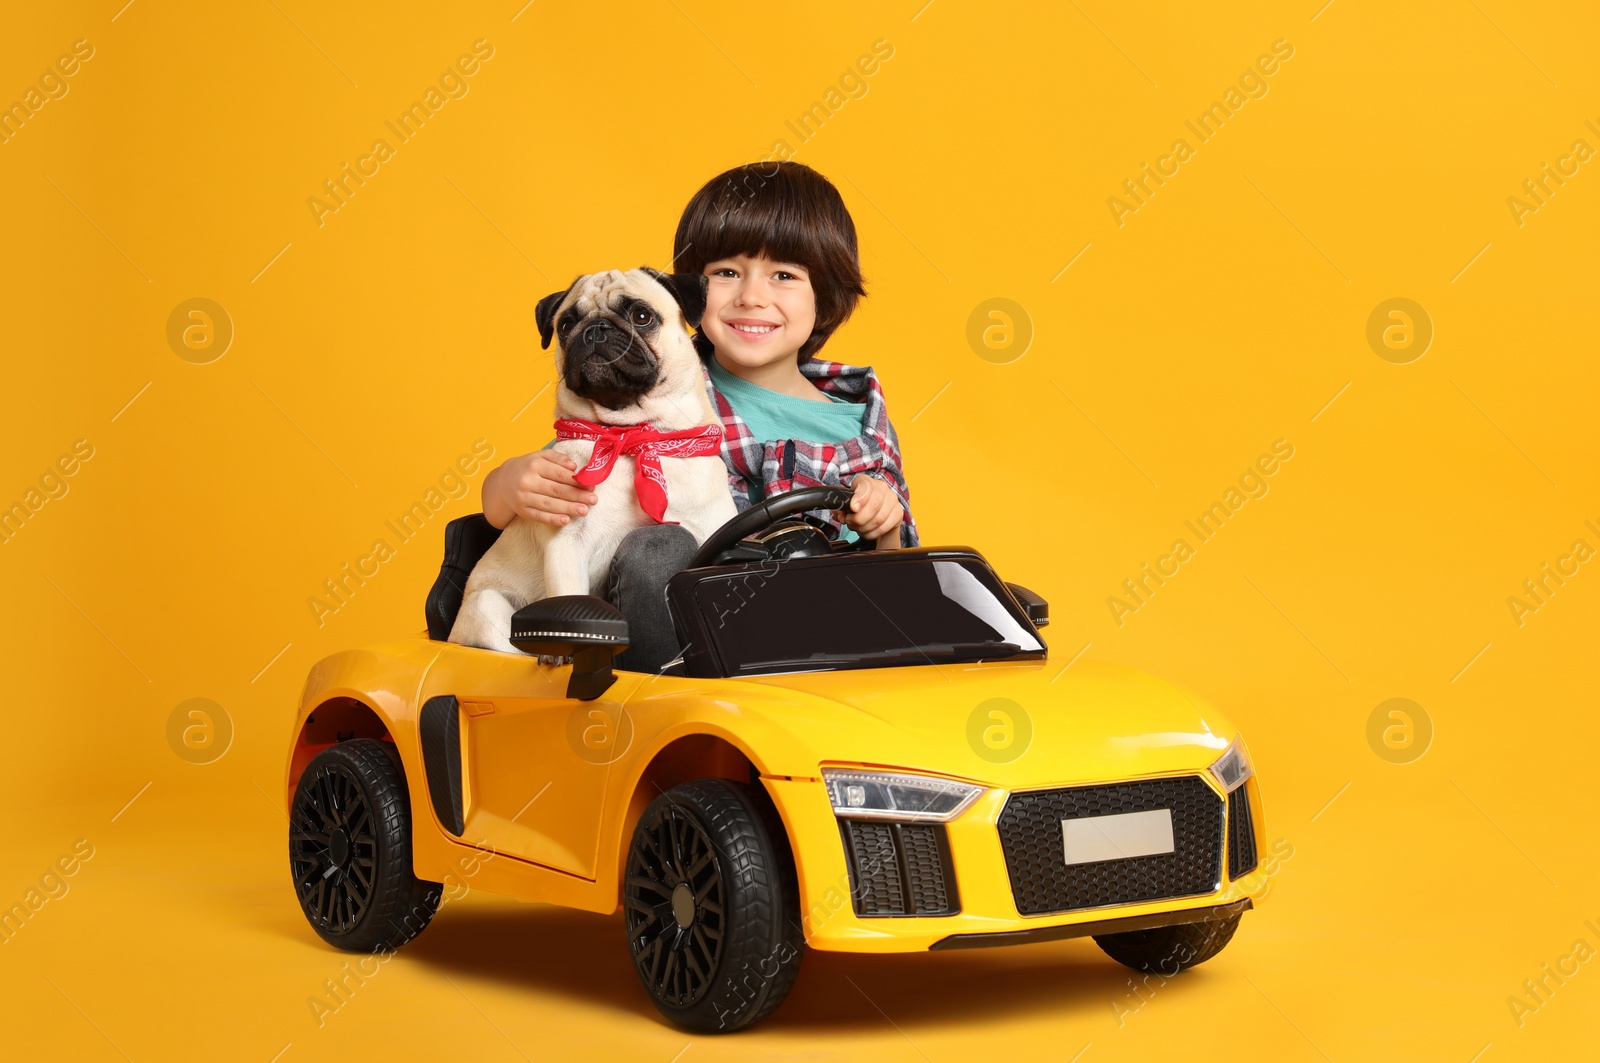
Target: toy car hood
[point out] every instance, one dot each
(1016, 725)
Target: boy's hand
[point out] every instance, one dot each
(875, 512)
(535, 487)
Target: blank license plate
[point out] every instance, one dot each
(1118, 837)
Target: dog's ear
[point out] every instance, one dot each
(689, 289)
(545, 313)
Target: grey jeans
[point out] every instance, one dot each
(637, 585)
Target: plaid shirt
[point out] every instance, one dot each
(760, 469)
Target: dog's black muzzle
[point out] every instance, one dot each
(608, 363)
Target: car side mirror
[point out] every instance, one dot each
(1034, 605)
(588, 629)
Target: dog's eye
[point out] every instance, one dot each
(565, 324)
(641, 316)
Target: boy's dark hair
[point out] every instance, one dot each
(788, 212)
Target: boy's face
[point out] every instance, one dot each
(757, 311)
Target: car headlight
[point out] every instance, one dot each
(880, 795)
(1233, 767)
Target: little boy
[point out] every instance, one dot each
(778, 249)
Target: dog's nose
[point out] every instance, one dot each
(594, 333)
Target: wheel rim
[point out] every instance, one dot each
(333, 850)
(676, 907)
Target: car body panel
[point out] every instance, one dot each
(553, 786)
(1091, 722)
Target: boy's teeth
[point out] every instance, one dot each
(755, 328)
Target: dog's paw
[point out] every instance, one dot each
(550, 660)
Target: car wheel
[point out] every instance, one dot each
(711, 906)
(350, 849)
(1169, 949)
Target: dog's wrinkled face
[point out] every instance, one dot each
(620, 334)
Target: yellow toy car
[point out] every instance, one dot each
(863, 751)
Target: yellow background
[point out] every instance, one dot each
(370, 352)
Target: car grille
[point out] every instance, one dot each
(899, 868)
(1241, 834)
(1041, 879)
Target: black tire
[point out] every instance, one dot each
(712, 907)
(350, 849)
(1169, 949)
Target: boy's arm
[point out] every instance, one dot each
(537, 486)
(893, 476)
(893, 472)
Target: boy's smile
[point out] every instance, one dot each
(751, 328)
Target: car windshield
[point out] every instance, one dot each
(859, 612)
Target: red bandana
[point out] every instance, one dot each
(647, 447)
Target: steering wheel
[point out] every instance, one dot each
(766, 513)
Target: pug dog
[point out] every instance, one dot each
(632, 411)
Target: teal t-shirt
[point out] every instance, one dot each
(774, 415)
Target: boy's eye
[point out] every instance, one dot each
(641, 316)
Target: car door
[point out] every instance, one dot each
(538, 766)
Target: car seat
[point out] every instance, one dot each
(466, 539)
